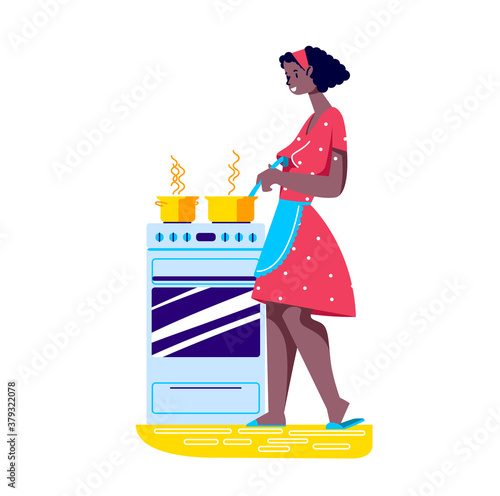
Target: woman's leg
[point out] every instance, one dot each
(281, 352)
(311, 339)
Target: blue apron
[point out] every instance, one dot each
(279, 240)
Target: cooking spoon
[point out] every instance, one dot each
(281, 160)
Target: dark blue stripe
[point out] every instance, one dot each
(203, 278)
(212, 387)
(172, 312)
(159, 295)
(169, 341)
(242, 341)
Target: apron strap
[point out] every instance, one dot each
(281, 235)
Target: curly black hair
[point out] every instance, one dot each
(328, 71)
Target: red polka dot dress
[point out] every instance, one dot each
(313, 273)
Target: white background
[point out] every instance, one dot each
(61, 240)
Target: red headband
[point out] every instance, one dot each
(301, 58)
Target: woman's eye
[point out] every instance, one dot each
(296, 75)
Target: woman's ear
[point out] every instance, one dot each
(309, 71)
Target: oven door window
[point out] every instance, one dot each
(205, 322)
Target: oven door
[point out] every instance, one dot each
(203, 308)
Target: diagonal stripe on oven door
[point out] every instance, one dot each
(172, 294)
(229, 306)
(207, 335)
(165, 343)
(185, 306)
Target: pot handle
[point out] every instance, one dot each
(281, 160)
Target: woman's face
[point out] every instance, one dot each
(298, 80)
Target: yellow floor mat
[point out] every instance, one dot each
(239, 441)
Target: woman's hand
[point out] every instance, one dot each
(329, 186)
(268, 178)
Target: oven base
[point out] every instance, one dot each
(239, 441)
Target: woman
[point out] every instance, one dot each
(301, 271)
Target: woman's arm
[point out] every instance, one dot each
(323, 186)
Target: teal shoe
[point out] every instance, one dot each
(344, 425)
(254, 423)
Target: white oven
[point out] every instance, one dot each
(206, 335)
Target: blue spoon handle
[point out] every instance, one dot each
(281, 160)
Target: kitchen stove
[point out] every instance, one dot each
(206, 355)
(205, 334)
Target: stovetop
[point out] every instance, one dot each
(231, 235)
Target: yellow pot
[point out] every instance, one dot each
(177, 208)
(231, 208)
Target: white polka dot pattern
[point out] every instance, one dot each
(313, 274)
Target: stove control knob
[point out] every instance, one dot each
(252, 238)
(238, 237)
(172, 237)
(159, 237)
(186, 237)
(224, 237)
